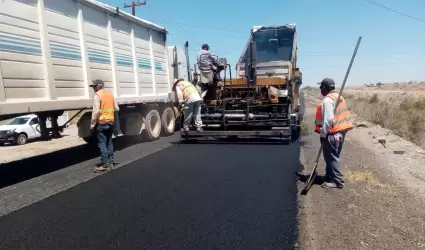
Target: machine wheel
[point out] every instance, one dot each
(295, 133)
(22, 139)
(168, 121)
(152, 125)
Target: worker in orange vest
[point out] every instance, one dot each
(188, 96)
(103, 119)
(332, 127)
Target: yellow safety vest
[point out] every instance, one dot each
(187, 89)
(342, 118)
(107, 107)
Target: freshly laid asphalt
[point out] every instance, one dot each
(197, 196)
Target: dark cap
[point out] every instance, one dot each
(327, 82)
(205, 46)
(96, 83)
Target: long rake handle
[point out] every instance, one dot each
(342, 89)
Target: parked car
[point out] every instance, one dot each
(23, 128)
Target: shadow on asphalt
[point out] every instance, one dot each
(25, 169)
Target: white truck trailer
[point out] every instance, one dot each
(51, 50)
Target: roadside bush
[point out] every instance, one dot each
(374, 99)
(349, 96)
(406, 119)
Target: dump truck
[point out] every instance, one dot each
(263, 100)
(51, 50)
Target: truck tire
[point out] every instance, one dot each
(22, 139)
(178, 116)
(152, 129)
(168, 121)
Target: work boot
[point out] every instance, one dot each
(331, 185)
(112, 162)
(326, 179)
(186, 129)
(102, 169)
(199, 129)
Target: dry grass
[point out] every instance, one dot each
(363, 177)
(406, 119)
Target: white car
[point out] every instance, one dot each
(22, 128)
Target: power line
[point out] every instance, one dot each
(300, 41)
(178, 29)
(396, 11)
(206, 27)
(363, 64)
(192, 25)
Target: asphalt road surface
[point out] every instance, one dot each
(197, 196)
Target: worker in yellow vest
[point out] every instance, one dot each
(332, 127)
(102, 121)
(189, 97)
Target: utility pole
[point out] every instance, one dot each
(133, 6)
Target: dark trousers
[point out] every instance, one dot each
(104, 137)
(116, 124)
(331, 151)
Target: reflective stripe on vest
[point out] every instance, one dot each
(342, 118)
(187, 89)
(107, 108)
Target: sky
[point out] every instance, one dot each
(392, 47)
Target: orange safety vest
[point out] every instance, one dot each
(107, 107)
(187, 89)
(341, 121)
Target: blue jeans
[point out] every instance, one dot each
(331, 151)
(104, 137)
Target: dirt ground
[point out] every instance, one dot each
(10, 153)
(382, 205)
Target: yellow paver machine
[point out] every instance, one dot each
(263, 101)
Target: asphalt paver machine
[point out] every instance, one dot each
(263, 100)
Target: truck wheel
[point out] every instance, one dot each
(152, 125)
(168, 121)
(22, 139)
